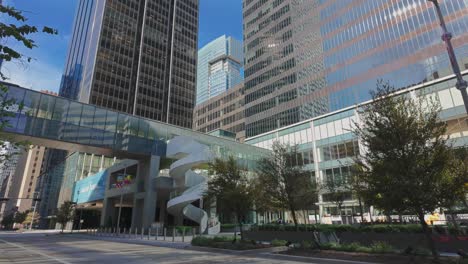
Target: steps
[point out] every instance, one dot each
(189, 154)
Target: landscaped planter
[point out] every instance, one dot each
(229, 229)
(444, 243)
(291, 236)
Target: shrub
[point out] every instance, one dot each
(420, 251)
(331, 245)
(381, 247)
(351, 247)
(307, 245)
(202, 241)
(228, 226)
(376, 247)
(223, 238)
(181, 229)
(278, 242)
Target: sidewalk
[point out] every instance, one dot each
(264, 253)
(179, 242)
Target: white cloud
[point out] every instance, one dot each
(35, 75)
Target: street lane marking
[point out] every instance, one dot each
(35, 251)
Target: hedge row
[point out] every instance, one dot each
(378, 228)
(228, 226)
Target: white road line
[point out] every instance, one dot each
(35, 251)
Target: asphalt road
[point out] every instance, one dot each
(39, 248)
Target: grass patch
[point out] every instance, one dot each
(278, 242)
(376, 247)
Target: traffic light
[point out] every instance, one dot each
(36, 199)
(4, 199)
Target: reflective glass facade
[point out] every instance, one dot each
(224, 111)
(45, 116)
(137, 57)
(327, 145)
(219, 67)
(304, 58)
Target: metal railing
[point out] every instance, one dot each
(170, 234)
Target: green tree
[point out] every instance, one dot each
(20, 217)
(407, 165)
(8, 221)
(283, 181)
(231, 188)
(29, 218)
(65, 213)
(15, 34)
(335, 191)
(308, 200)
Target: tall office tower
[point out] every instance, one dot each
(305, 58)
(22, 183)
(219, 67)
(135, 56)
(224, 112)
(7, 170)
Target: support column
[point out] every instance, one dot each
(162, 212)
(149, 205)
(107, 211)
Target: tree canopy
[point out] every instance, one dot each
(408, 164)
(283, 183)
(65, 213)
(16, 34)
(231, 188)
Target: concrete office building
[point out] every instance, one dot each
(7, 169)
(307, 58)
(327, 145)
(22, 183)
(219, 67)
(137, 57)
(224, 112)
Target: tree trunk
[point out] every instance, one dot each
(370, 216)
(361, 210)
(341, 214)
(454, 221)
(305, 219)
(239, 222)
(293, 214)
(315, 215)
(389, 219)
(429, 239)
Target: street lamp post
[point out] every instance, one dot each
(446, 37)
(34, 213)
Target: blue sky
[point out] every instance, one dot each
(217, 17)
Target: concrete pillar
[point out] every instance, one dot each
(144, 204)
(149, 206)
(137, 212)
(162, 211)
(107, 211)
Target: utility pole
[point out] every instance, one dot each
(33, 214)
(446, 37)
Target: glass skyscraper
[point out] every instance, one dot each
(219, 67)
(135, 56)
(306, 58)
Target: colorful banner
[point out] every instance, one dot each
(91, 188)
